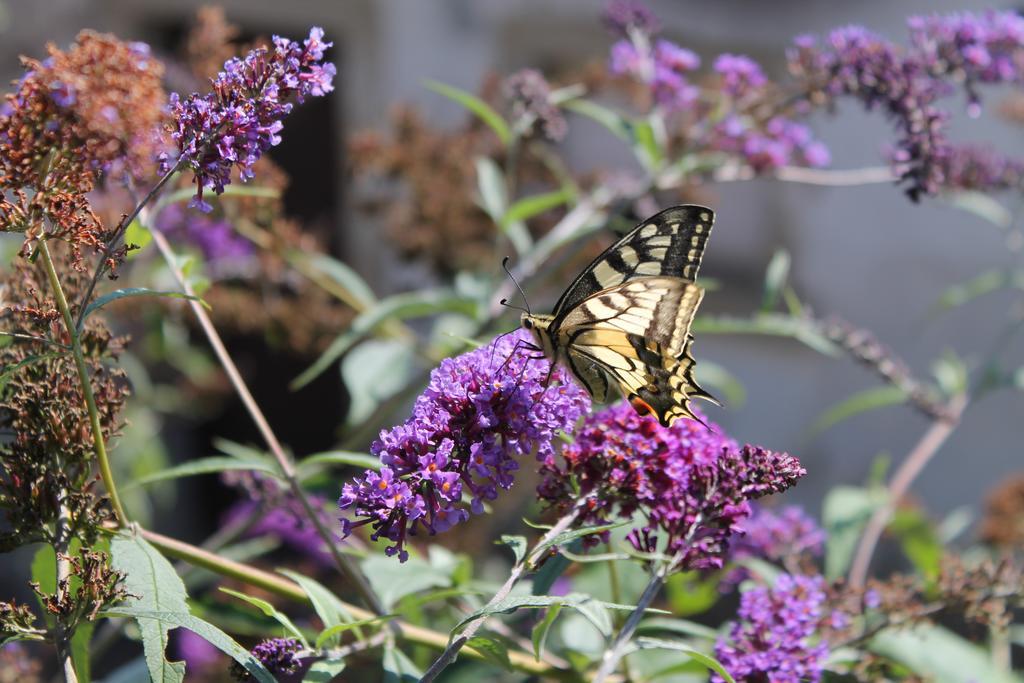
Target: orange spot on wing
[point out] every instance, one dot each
(640, 406)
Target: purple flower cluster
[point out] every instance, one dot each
(691, 484)
(979, 48)
(778, 142)
(773, 641)
(480, 412)
(785, 535)
(241, 118)
(664, 66)
(906, 84)
(215, 238)
(970, 167)
(286, 520)
(279, 655)
(740, 74)
(627, 17)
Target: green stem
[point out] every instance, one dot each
(285, 588)
(83, 375)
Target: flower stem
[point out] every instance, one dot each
(83, 375)
(284, 461)
(61, 545)
(617, 651)
(912, 466)
(529, 560)
(285, 588)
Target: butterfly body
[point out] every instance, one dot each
(625, 320)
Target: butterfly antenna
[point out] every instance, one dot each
(504, 302)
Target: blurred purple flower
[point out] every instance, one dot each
(199, 655)
(216, 239)
(691, 484)
(740, 74)
(480, 412)
(786, 534)
(969, 167)
(778, 142)
(772, 641)
(286, 520)
(623, 17)
(664, 67)
(241, 119)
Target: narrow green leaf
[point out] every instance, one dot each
(324, 671)
(491, 186)
(270, 611)
(314, 464)
(937, 654)
(129, 292)
(772, 324)
(860, 402)
(775, 279)
(516, 543)
(150, 576)
(138, 236)
(398, 668)
(343, 274)
(983, 206)
(573, 534)
(493, 651)
(984, 283)
(332, 633)
(845, 512)
(81, 652)
(919, 540)
(203, 629)
(617, 124)
(721, 383)
(211, 465)
(541, 630)
(328, 606)
(645, 145)
(549, 572)
(474, 104)
(596, 613)
(707, 660)
(526, 208)
(681, 626)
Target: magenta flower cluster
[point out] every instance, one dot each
(774, 638)
(691, 484)
(479, 414)
(240, 119)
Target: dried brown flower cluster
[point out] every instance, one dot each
(91, 112)
(1003, 524)
(91, 586)
(47, 462)
(210, 42)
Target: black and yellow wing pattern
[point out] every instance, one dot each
(625, 320)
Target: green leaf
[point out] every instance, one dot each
(81, 651)
(474, 104)
(374, 372)
(324, 671)
(392, 581)
(516, 543)
(526, 208)
(681, 626)
(721, 382)
(128, 292)
(985, 283)
(203, 629)
(211, 465)
(398, 307)
(645, 144)
(328, 606)
(398, 668)
(919, 541)
(860, 402)
(491, 186)
(313, 464)
(137, 235)
(10, 370)
(332, 633)
(594, 610)
(707, 660)
(950, 374)
(270, 611)
(541, 630)
(775, 276)
(983, 206)
(151, 577)
(549, 572)
(493, 651)
(939, 655)
(773, 324)
(342, 274)
(616, 123)
(691, 593)
(845, 512)
(572, 534)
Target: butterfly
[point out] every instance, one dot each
(625, 320)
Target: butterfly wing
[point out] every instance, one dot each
(637, 335)
(670, 243)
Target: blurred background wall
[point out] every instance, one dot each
(864, 253)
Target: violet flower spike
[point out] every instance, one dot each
(236, 123)
(479, 414)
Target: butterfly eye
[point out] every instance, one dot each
(528, 324)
